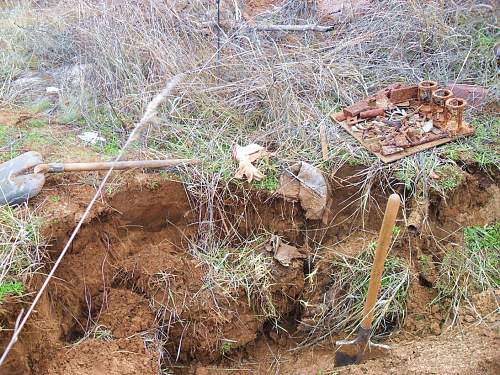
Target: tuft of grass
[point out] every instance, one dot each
(70, 114)
(11, 288)
(469, 269)
(390, 309)
(96, 332)
(247, 268)
(343, 305)
(37, 123)
(21, 248)
(482, 148)
(427, 171)
(41, 105)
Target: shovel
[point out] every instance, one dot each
(355, 351)
(23, 177)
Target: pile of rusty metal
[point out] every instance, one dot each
(404, 119)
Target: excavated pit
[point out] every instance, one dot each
(131, 296)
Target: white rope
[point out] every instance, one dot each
(151, 111)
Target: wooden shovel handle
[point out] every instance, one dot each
(105, 165)
(391, 211)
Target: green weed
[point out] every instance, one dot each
(112, 147)
(471, 268)
(343, 309)
(40, 106)
(271, 171)
(55, 198)
(11, 288)
(37, 123)
(226, 347)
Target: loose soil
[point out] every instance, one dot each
(131, 296)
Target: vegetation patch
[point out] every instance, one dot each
(342, 310)
(470, 269)
(246, 267)
(15, 288)
(21, 248)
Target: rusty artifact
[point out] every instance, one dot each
(439, 98)
(455, 108)
(401, 119)
(425, 90)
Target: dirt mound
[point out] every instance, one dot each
(474, 351)
(93, 357)
(123, 312)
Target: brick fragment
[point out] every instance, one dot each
(403, 94)
(372, 113)
(340, 117)
(356, 108)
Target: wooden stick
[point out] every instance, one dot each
(269, 27)
(384, 240)
(310, 27)
(117, 165)
(324, 142)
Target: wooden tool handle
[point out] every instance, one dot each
(105, 165)
(391, 211)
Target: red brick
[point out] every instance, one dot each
(403, 94)
(356, 108)
(372, 113)
(340, 117)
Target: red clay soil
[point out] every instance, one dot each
(129, 272)
(473, 351)
(130, 287)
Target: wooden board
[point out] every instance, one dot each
(407, 151)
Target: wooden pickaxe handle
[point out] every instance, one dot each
(391, 211)
(105, 165)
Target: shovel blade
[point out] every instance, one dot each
(357, 351)
(16, 186)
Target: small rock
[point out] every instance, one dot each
(201, 371)
(469, 318)
(51, 90)
(435, 309)
(435, 328)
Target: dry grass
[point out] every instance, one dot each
(21, 249)
(342, 307)
(269, 87)
(469, 269)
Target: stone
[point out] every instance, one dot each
(469, 318)
(435, 328)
